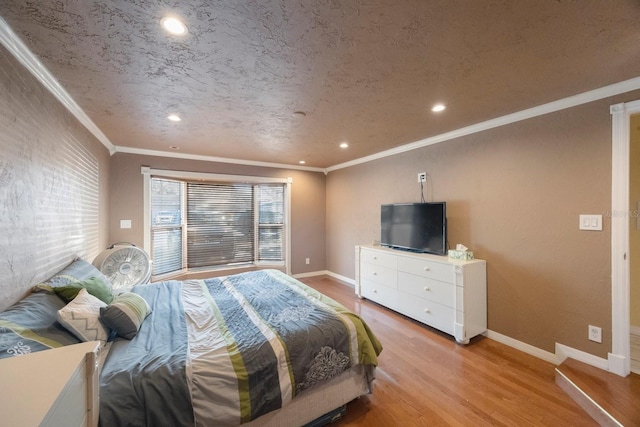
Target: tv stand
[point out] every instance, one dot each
(448, 295)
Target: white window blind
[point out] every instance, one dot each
(219, 224)
(271, 222)
(199, 225)
(166, 225)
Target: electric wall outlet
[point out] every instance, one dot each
(422, 177)
(595, 334)
(307, 261)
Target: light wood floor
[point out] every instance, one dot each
(425, 379)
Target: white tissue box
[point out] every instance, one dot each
(460, 255)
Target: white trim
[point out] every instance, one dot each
(561, 104)
(563, 351)
(524, 347)
(310, 274)
(287, 226)
(177, 155)
(146, 209)
(620, 276)
(10, 40)
(166, 173)
(347, 281)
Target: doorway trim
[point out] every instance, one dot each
(620, 356)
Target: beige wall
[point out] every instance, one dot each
(307, 202)
(634, 231)
(513, 196)
(43, 192)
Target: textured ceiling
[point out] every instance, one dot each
(365, 72)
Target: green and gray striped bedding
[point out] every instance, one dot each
(224, 351)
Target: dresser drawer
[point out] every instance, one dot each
(379, 258)
(433, 314)
(384, 295)
(379, 274)
(426, 268)
(429, 289)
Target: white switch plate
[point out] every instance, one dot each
(591, 222)
(125, 223)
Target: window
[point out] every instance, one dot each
(198, 224)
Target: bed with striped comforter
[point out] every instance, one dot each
(224, 351)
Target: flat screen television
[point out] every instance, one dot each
(417, 227)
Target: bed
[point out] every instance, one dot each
(257, 348)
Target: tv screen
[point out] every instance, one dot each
(418, 227)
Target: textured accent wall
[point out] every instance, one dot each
(53, 184)
(514, 195)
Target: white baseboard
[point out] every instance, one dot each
(563, 351)
(310, 274)
(345, 279)
(524, 347)
(351, 282)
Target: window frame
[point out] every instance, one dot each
(149, 173)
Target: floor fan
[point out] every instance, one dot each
(124, 264)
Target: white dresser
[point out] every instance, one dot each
(445, 294)
(57, 387)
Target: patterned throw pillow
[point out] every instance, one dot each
(82, 317)
(125, 314)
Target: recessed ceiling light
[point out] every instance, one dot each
(299, 114)
(174, 117)
(173, 26)
(438, 107)
(302, 162)
(344, 145)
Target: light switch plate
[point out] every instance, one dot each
(591, 222)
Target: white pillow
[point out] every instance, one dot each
(82, 317)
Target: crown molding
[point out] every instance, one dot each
(561, 104)
(21, 52)
(176, 155)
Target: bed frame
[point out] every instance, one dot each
(313, 404)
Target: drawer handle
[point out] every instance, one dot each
(375, 257)
(427, 289)
(426, 310)
(427, 269)
(375, 274)
(375, 291)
